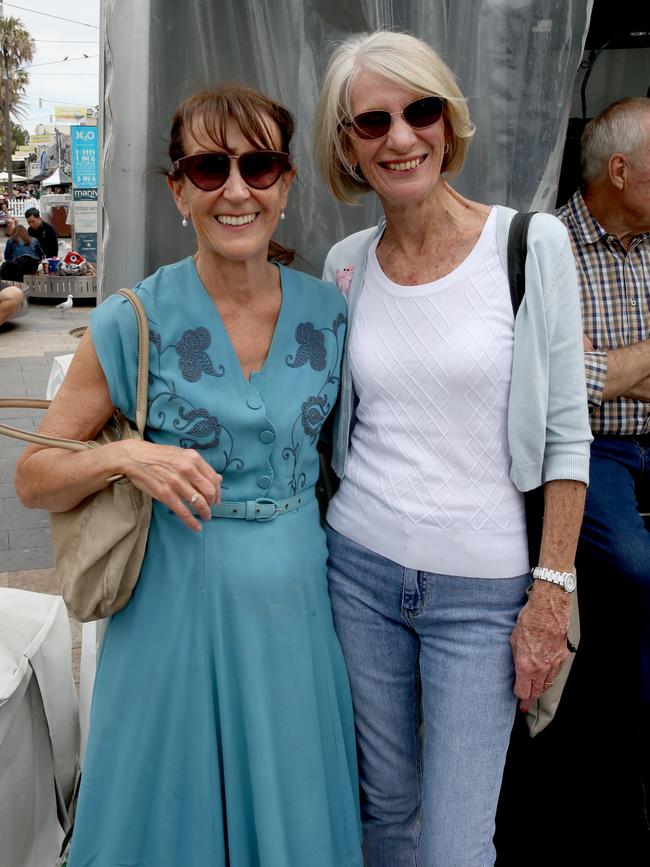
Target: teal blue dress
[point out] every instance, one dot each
(221, 729)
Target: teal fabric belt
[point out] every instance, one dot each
(264, 508)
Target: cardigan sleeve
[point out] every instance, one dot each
(568, 433)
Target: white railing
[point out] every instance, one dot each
(17, 207)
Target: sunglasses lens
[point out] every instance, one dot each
(261, 169)
(423, 112)
(371, 124)
(418, 114)
(207, 171)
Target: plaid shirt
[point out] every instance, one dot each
(615, 295)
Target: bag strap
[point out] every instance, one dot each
(142, 389)
(517, 249)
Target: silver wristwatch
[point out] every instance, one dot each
(566, 580)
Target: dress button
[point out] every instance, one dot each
(633, 302)
(264, 481)
(254, 401)
(267, 436)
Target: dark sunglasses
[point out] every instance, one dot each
(418, 114)
(209, 171)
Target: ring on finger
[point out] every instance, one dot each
(194, 498)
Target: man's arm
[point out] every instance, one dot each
(49, 240)
(628, 370)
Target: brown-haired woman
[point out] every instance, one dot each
(22, 255)
(221, 730)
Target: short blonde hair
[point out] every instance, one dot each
(402, 60)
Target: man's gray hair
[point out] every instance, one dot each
(620, 128)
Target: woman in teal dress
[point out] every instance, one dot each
(221, 729)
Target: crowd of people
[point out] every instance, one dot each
(24, 252)
(280, 693)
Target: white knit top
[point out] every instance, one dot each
(426, 482)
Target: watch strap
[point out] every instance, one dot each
(566, 580)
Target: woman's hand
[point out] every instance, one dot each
(57, 480)
(539, 640)
(179, 478)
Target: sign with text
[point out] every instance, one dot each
(84, 195)
(86, 244)
(72, 113)
(85, 217)
(84, 220)
(85, 157)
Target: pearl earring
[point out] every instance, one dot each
(185, 222)
(282, 214)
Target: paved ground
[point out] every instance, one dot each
(28, 346)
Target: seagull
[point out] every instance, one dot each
(64, 305)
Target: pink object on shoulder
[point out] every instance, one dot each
(344, 278)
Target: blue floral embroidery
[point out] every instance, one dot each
(313, 414)
(315, 409)
(311, 349)
(154, 337)
(193, 360)
(200, 429)
(207, 426)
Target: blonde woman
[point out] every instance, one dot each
(449, 411)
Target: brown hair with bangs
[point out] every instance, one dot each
(205, 115)
(20, 235)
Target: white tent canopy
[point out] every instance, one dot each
(14, 177)
(56, 180)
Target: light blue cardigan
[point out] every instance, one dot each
(548, 424)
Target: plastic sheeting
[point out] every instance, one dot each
(515, 60)
(39, 728)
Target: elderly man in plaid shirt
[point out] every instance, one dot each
(609, 225)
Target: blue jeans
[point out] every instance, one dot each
(613, 533)
(432, 678)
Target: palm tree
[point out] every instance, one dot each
(16, 50)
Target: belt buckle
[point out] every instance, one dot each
(265, 504)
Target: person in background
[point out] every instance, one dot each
(449, 411)
(43, 232)
(608, 220)
(221, 728)
(6, 220)
(22, 255)
(11, 298)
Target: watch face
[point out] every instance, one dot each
(570, 583)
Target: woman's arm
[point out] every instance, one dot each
(540, 635)
(539, 639)
(58, 479)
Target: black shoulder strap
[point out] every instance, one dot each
(517, 245)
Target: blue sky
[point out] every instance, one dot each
(53, 80)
